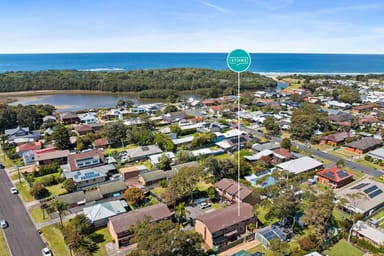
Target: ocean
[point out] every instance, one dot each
(267, 63)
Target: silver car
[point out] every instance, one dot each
(3, 224)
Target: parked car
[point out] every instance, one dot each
(382, 177)
(204, 205)
(14, 190)
(3, 224)
(46, 251)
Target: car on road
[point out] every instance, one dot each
(1, 166)
(3, 224)
(46, 251)
(382, 177)
(204, 205)
(14, 190)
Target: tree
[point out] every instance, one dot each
(164, 142)
(306, 119)
(340, 163)
(60, 207)
(164, 238)
(286, 143)
(77, 235)
(271, 125)
(170, 108)
(181, 212)
(164, 162)
(70, 185)
(185, 181)
(60, 136)
(38, 190)
(116, 133)
(134, 195)
(319, 213)
(184, 156)
(285, 206)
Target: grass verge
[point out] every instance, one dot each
(4, 249)
(24, 191)
(55, 240)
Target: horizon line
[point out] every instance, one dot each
(191, 52)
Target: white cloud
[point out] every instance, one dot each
(217, 8)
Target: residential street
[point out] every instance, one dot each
(21, 235)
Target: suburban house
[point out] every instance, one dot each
(88, 118)
(371, 234)
(276, 156)
(334, 139)
(229, 190)
(155, 159)
(20, 135)
(269, 145)
(341, 119)
(85, 160)
(371, 200)
(85, 178)
(83, 129)
(27, 147)
(98, 214)
(50, 155)
(363, 108)
(101, 191)
(377, 153)
(132, 171)
(335, 177)
(232, 144)
(223, 226)
(69, 118)
(120, 226)
(299, 165)
(267, 234)
(363, 145)
(155, 176)
(140, 153)
(101, 143)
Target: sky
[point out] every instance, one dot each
(311, 26)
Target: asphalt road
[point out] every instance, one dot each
(22, 236)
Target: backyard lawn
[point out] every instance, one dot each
(57, 189)
(4, 251)
(107, 239)
(341, 248)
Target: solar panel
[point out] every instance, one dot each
(375, 193)
(329, 175)
(342, 174)
(370, 189)
(359, 186)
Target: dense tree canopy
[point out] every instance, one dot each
(151, 83)
(306, 119)
(164, 238)
(61, 137)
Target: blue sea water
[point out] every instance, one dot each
(261, 62)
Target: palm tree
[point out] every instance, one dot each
(181, 212)
(61, 207)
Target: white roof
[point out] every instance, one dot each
(206, 151)
(259, 155)
(233, 133)
(369, 232)
(104, 210)
(182, 140)
(300, 165)
(154, 159)
(223, 144)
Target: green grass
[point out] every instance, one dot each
(24, 191)
(55, 240)
(218, 206)
(223, 156)
(4, 249)
(321, 147)
(158, 190)
(378, 215)
(203, 186)
(41, 178)
(37, 215)
(342, 153)
(341, 248)
(262, 210)
(368, 164)
(14, 176)
(107, 239)
(261, 248)
(5, 160)
(57, 189)
(356, 173)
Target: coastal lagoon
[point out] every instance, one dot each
(75, 102)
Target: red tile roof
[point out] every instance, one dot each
(101, 142)
(230, 186)
(364, 107)
(123, 222)
(28, 146)
(336, 137)
(83, 128)
(284, 152)
(94, 153)
(226, 217)
(334, 174)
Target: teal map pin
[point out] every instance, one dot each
(238, 60)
